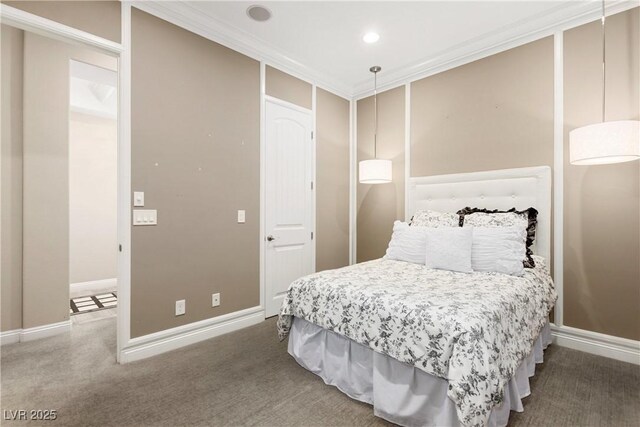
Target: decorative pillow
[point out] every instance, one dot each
(541, 263)
(407, 243)
(449, 248)
(499, 249)
(429, 218)
(527, 218)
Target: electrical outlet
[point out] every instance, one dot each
(215, 300)
(181, 307)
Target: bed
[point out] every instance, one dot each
(432, 347)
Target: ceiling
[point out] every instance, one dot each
(327, 36)
(93, 90)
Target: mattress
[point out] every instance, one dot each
(472, 330)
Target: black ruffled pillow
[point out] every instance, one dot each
(498, 218)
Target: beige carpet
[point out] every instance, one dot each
(247, 378)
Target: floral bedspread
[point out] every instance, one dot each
(473, 330)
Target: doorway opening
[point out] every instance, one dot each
(59, 174)
(93, 180)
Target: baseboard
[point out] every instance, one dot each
(93, 287)
(609, 346)
(10, 337)
(172, 339)
(35, 333)
(44, 331)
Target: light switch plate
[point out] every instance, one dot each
(145, 217)
(241, 217)
(215, 300)
(138, 199)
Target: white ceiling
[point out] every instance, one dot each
(93, 90)
(327, 36)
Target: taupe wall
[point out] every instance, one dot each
(379, 205)
(332, 181)
(35, 252)
(173, 150)
(602, 203)
(497, 113)
(101, 18)
(494, 113)
(46, 167)
(283, 86)
(45, 297)
(93, 198)
(196, 155)
(11, 179)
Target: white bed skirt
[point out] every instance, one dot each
(399, 393)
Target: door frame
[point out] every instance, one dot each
(264, 99)
(121, 51)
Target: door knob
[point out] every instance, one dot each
(270, 238)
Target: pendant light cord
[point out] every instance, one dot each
(604, 63)
(375, 114)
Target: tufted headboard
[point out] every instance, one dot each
(500, 189)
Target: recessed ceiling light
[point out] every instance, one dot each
(258, 13)
(371, 37)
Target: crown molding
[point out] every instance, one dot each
(561, 18)
(191, 18)
(45, 27)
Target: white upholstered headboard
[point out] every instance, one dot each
(500, 189)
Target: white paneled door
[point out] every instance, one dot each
(289, 200)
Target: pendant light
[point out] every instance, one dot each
(375, 171)
(606, 142)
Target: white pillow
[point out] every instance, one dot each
(407, 243)
(499, 249)
(449, 248)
